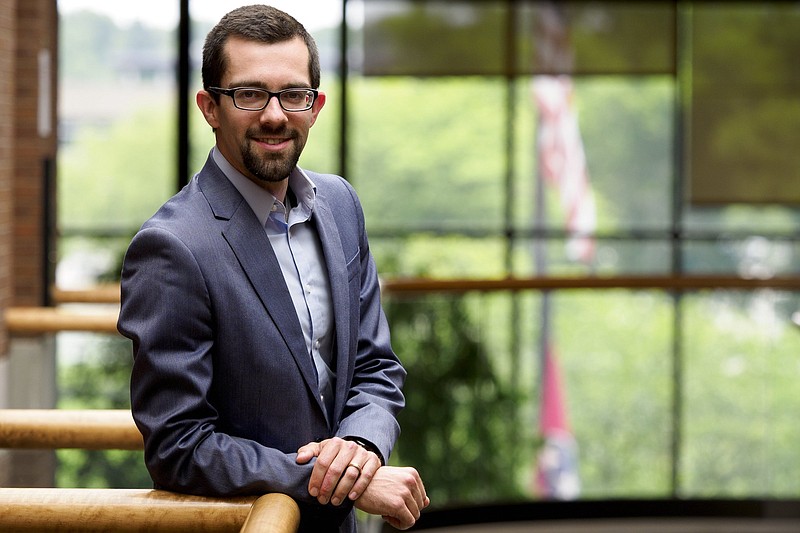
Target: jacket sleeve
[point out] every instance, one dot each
(167, 312)
(375, 396)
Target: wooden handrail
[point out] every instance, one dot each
(107, 293)
(95, 429)
(122, 510)
(273, 513)
(110, 293)
(37, 320)
(690, 282)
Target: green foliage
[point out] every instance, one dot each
(429, 152)
(615, 353)
(98, 379)
(91, 43)
(740, 391)
(451, 429)
(117, 176)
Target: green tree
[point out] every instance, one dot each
(98, 380)
(461, 425)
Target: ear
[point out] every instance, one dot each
(318, 104)
(209, 107)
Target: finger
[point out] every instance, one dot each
(352, 474)
(417, 488)
(343, 473)
(331, 464)
(417, 498)
(423, 499)
(368, 470)
(324, 457)
(401, 522)
(307, 452)
(397, 524)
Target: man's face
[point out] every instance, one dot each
(263, 145)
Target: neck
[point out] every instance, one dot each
(275, 188)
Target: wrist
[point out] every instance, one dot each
(367, 445)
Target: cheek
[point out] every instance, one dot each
(303, 124)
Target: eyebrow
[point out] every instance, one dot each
(261, 85)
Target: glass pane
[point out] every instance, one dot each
(744, 108)
(116, 103)
(447, 256)
(625, 127)
(741, 219)
(478, 356)
(612, 256)
(619, 392)
(753, 257)
(740, 394)
(435, 38)
(596, 38)
(444, 38)
(427, 154)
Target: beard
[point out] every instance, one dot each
(271, 167)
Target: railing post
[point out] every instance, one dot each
(273, 513)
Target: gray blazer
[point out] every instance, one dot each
(223, 388)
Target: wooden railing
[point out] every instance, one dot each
(399, 286)
(54, 429)
(152, 510)
(122, 510)
(117, 510)
(34, 509)
(36, 320)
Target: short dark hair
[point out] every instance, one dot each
(260, 23)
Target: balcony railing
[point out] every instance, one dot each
(50, 509)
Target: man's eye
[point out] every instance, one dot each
(250, 94)
(294, 96)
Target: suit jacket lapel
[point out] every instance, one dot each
(337, 271)
(252, 248)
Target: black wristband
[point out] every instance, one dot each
(367, 445)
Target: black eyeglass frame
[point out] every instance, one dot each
(230, 92)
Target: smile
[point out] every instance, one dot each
(273, 143)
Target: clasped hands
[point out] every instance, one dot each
(346, 470)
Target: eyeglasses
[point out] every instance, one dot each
(253, 99)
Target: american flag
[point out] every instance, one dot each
(557, 464)
(563, 162)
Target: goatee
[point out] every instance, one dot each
(271, 167)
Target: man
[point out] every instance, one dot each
(262, 360)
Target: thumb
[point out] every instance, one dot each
(307, 452)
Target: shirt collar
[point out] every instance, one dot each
(261, 201)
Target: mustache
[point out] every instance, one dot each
(261, 131)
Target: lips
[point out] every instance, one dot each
(272, 144)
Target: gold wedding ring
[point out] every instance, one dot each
(356, 466)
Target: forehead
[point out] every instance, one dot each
(276, 64)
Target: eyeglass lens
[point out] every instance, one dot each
(290, 99)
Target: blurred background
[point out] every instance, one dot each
(613, 148)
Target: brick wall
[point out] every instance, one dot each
(28, 35)
(7, 61)
(27, 27)
(34, 149)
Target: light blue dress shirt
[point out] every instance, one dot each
(297, 246)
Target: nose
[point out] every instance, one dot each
(273, 113)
